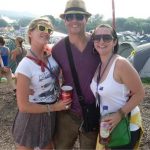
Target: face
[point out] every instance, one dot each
(104, 41)
(75, 23)
(41, 34)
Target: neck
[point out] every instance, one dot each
(105, 60)
(37, 54)
(80, 41)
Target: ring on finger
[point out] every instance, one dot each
(66, 106)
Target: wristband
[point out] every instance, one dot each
(122, 114)
(48, 109)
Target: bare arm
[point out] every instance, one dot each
(23, 103)
(131, 79)
(126, 74)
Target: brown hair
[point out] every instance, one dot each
(2, 41)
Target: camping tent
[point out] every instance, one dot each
(56, 36)
(141, 60)
(125, 49)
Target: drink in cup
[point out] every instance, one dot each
(66, 92)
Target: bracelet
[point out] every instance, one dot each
(48, 109)
(122, 114)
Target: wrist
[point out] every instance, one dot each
(121, 113)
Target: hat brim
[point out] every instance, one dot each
(75, 12)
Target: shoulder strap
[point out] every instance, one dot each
(73, 71)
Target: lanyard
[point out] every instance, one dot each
(99, 76)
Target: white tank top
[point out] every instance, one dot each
(112, 93)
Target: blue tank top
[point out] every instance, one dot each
(4, 51)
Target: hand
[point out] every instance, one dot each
(5, 69)
(48, 49)
(112, 119)
(62, 105)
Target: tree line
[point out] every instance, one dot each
(137, 25)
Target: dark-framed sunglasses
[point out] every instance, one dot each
(78, 17)
(44, 29)
(106, 38)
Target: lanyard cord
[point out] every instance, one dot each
(43, 62)
(99, 76)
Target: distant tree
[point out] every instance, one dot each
(131, 25)
(3, 23)
(120, 24)
(60, 26)
(94, 21)
(146, 27)
(23, 22)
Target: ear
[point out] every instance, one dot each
(115, 42)
(30, 34)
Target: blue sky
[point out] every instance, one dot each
(123, 8)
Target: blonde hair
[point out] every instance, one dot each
(34, 24)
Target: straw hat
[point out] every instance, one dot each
(75, 7)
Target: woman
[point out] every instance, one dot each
(114, 79)
(4, 51)
(34, 124)
(7, 73)
(19, 52)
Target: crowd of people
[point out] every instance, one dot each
(44, 120)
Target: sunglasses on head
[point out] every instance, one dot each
(78, 17)
(44, 29)
(106, 38)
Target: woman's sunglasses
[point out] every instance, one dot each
(106, 38)
(44, 29)
(78, 17)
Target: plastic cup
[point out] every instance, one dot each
(66, 92)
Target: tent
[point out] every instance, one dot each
(141, 60)
(125, 49)
(56, 36)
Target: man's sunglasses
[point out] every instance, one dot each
(78, 17)
(44, 29)
(106, 38)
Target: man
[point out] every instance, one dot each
(75, 18)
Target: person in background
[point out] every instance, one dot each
(19, 52)
(4, 51)
(34, 125)
(75, 18)
(114, 79)
(5, 71)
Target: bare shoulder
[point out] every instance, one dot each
(122, 62)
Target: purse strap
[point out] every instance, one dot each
(74, 72)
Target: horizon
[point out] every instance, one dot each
(123, 9)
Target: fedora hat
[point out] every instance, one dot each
(75, 7)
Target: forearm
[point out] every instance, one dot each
(134, 101)
(36, 108)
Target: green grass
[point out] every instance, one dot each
(146, 80)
